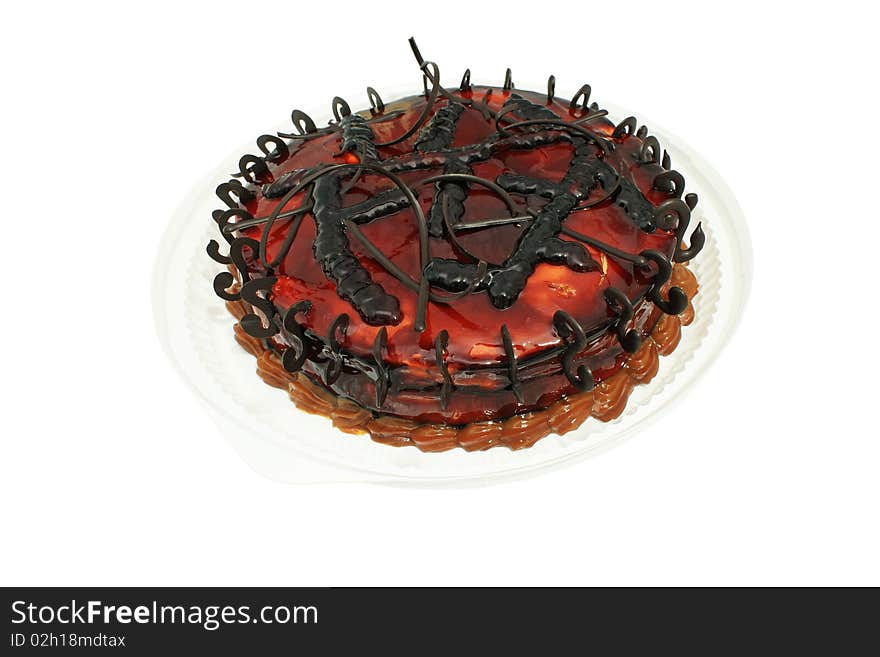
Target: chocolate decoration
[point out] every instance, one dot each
(383, 372)
(334, 353)
(440, 344)
(222, 282)
(625, 127)
(677, 300)
(609, 166)
(297, 353)
(698, 238)
(253, 292)
(568, 327)
(278, 152)
(357, 137)
(671, 182)
(582, 97)
(377, 105)
(512, 365)
(622, 308)
(253, 169)
(508, 80)
(213, 250)
(227, 190)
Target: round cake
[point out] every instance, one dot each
(466, 267)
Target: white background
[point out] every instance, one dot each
(111, 472)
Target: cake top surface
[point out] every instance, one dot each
(469, 216)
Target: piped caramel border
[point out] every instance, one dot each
(605, 402)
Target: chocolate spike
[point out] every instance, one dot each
(551, 88)
(302, 122)
(630, 340)
(698, 237)
(227, 227)
(512, 371)
(253, 169)
(334, 362)
(225, 191)
(567, 327)
(377, 105)
(278, 152)
(222, 282)
(213, 250)
(304, 125)
(295, 355)
(582, 96)
(671, 182)
(625, 127)
(671, 214)
(236, 254)
(383, 374)
(416, 52)
(440, 344)
(650, 151)
(341, 108)
(677, 300)
(250, 293)
(508, 80)
(698, 240)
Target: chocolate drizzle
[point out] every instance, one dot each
(542, 205)
(357, 137)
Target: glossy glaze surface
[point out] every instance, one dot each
(474, 356)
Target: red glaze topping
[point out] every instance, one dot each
(475, 352)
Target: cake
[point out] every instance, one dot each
(465, 267)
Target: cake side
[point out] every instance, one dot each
(605, 402)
